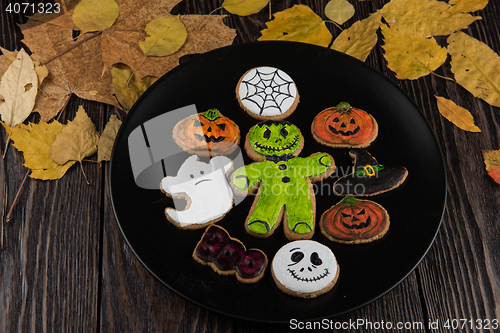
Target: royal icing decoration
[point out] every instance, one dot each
(267, 91)
(198, 182)
(305, 267)
(344, 126)
(369, 177)
(228, 255)
(284, 180)
(354, 221)
(207, 134)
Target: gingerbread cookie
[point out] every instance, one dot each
(228, 256)
(305, 268)
(207, 134)
(196, 182)
(267, 93)
(369, 177)
(344, 127)
(354, 221)
(283, 180)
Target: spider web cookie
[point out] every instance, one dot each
(267, 93)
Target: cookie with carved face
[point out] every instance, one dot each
(305, 268)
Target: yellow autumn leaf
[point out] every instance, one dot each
(299, 24)
(360, 38)
(467, 5)
(244, 7)
(77, 140)
(166, 35)
(127, 95)
(411, 57)
(476, 67)
(339, 11)
(95, 15)
(107, 139)
(18, 88)
(35, 140)
(459, 116)
(425, 17)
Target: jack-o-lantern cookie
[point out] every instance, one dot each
(228, 256)
(282, 179)
(369, 177)
(207, 134)
(267, 93)
(354, 221)
(305, 268)
(344, 127)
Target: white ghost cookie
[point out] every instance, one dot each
(204, 187)
(305, 268)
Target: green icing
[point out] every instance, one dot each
(211, 114)
(376, 168)
(293, 195)
(349, 201)
(343, 106)
(275, 138)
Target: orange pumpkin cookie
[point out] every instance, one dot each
(344, 127)
(207, 134)
(354, 221)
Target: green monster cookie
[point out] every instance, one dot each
(283, 180)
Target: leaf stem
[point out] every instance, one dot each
(206, 20)
(444, 77)
(84, 175)
(72, 47)
(17, 195)
(6, 147)
(335, 24)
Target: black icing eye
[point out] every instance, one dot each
(335, 120)
(297, 256)
(353, 121)
(221, 126)
(202, 172)
(197, 123)
(315, 260)
(267, 134)
(284, 132)
(191, 175)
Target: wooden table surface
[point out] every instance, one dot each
(65, 267)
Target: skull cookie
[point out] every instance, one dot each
(305, 268)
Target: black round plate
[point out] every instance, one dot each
(324, 78)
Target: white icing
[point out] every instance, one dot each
(206, 186)
(304, 275)
(267, 91)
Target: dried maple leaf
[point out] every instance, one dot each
(425, 17)
(128, 94)
(95, 15)
(476, 67)
(34, 140)
(120, 42)
(244, 7)
(77, 140)
(18, 88)
(492, 162)
(166, 36)
(360, 38)
(456, 114)
(409, 56)
(467, 5)
(299, 24)
(339, 11)
(77, 71)
(107, 139)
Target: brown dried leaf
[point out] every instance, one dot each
(107, 139)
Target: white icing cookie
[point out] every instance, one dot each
(305, 268)
(267, 93)
(205, 188)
